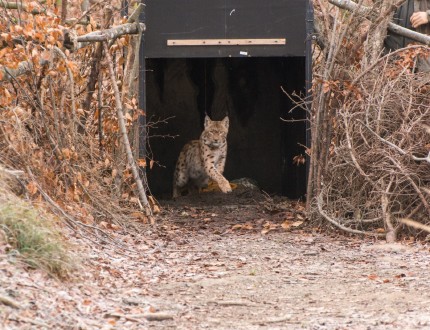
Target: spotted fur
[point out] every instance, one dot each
(203, 159)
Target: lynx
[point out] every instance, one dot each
(203, 159)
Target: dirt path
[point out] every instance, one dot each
(208, 266)
(294, 282)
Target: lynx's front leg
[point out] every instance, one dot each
(215, 175)
(180, 179)
(222, 182)
(221, 164)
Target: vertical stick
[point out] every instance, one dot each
(63, 10)
(125, 140)
(95, 64)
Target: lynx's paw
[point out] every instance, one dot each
(225, 186)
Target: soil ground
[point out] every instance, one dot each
(236, 261)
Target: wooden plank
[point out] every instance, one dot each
(225, 42)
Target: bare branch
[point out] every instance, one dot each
(125, 140)
(73, 42)
(22, 6)
(393, 146)
(112, 33)
(338, 223)
(415, 224)
(8, 74)
(134, 17)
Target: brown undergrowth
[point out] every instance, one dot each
(370, 165)
(71, 154)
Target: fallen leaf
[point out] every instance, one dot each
(112, 322)
(288, 224)
(268, 226)
(246, 226)
(32, 188)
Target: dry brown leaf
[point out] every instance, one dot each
(268, 226)
(288, 224)
(66, 153)
(32, 188)
(114, 227)
(86, 302)
(246, 226)
(299, 160)
(112, 322)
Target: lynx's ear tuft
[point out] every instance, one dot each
(225, 122)
(208, 121)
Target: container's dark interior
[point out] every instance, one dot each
(260, 145)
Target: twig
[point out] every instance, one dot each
(28, 320)
(95, 65)
(64, 5)
(55, 112)
(157, 316)
(9, 302)
(15, 173)
(59, 52)
(415, 224)
(85, 13)
(274, 320)
(391, 231)
(134, 17)
(229, 302)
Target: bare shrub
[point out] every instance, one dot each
(72, 155)
(370, 142)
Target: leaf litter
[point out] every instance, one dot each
(219, 261)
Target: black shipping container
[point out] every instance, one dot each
(234, 57)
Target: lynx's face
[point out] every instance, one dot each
(215, 133)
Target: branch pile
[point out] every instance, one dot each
(370, 166)
(69, 136)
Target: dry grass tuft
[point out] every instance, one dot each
(33, 237)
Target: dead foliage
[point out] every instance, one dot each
(63, 135)
(371, 141)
